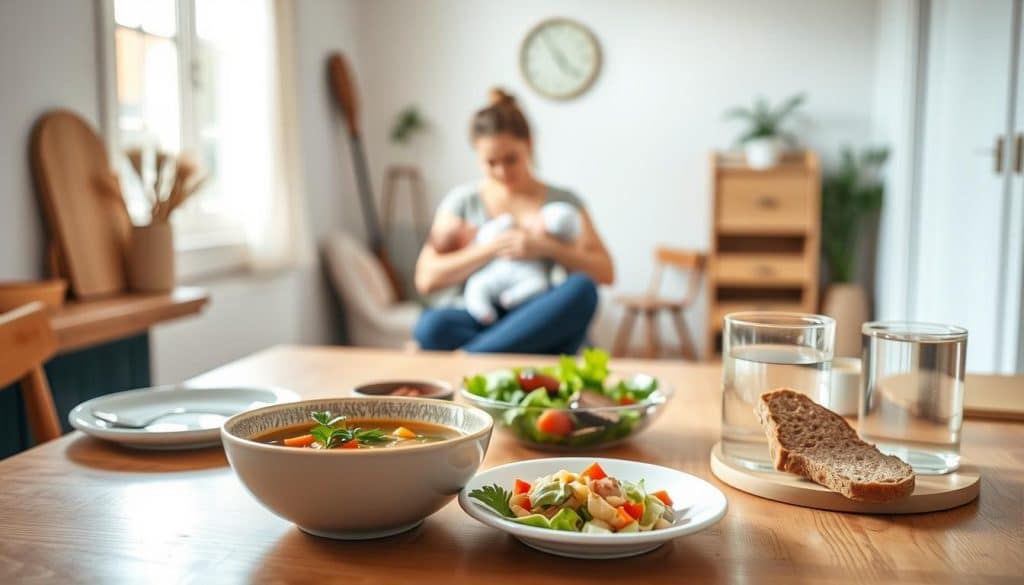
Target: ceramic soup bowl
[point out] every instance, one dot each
(357, 493)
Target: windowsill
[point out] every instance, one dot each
(204, 258)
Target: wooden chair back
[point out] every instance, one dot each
(682, 260)
(26, 342)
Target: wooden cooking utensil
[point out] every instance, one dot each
(343, 88)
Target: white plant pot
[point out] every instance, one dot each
(762, 153)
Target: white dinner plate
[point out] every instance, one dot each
(200, 427)
(697, 503)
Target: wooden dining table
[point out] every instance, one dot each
(82, 510)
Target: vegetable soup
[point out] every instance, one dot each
(338, 432)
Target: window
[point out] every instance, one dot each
(214, 79)
(176, 65)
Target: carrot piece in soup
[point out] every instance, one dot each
(636, 511)
(522, 487)
(404, 433)
(300, 441)
(554, 422)
(663, 496)
(353, 444)
(594, 471)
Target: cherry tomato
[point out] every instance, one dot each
(554, 422)
(530, 380)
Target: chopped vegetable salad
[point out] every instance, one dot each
(590, 502)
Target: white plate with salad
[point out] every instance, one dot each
(591, 508)
(580, 403)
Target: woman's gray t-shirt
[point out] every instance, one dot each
(467, 203)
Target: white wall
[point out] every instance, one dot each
(324, 26)
(47, 60)
(636, 145)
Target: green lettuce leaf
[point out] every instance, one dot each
(537, 399)
(635, 492)
(476, 385)
(595, 367)
(566, 520)
(549, 494)
(637, 389)
(653, 509)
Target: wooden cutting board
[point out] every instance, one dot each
(82, 203)
(931, 492)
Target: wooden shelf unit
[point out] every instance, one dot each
(765, 243)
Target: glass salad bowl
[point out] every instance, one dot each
(577, 404)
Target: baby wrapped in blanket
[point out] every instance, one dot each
(509, 283)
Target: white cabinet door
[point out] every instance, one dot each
(961, 259)
(1012, 354)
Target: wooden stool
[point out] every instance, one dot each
(651, 305)
(26, 341)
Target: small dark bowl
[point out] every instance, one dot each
(435, 389)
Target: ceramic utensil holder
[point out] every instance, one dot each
(151, 258)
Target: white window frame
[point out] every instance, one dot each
(199, 255)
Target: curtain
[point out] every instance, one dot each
(259, 148)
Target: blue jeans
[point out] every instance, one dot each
(554, 322)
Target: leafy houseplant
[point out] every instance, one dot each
(762, 138)
(848, 195)
(408, 122)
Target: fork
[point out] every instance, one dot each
(121, 421)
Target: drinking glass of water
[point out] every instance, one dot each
(763, 351)
(912, 392)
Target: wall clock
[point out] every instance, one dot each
(560, 58)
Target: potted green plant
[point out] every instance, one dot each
(763, 140)
(407, 124)
(849, 195)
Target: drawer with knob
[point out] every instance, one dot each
(765, 204)
(761, 270)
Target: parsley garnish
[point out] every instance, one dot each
(332, 432)
(496, 497)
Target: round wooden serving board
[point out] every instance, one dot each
(931, 493)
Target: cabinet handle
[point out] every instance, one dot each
(1018, 154)
(998, 152)
(767, 202)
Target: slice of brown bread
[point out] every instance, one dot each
(808, 439)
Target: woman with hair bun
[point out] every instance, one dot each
(553, 321)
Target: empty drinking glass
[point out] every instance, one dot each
(912, 392)
(762, 351)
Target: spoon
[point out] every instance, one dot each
(121, 421)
